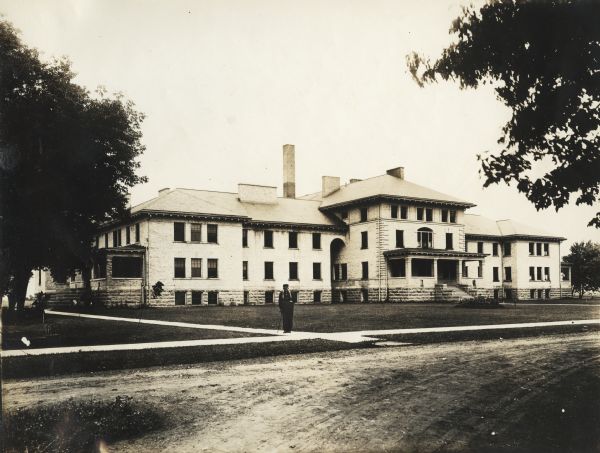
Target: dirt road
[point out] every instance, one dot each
(450, 397)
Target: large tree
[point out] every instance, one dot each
(68, 162)
(543, 59)
(585, 271)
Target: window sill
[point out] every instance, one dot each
(293, 279)
(317, 248)
(265, 247)
(293, 248)
(317, 279)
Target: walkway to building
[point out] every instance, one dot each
(270, 335)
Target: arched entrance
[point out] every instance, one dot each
(339, 271)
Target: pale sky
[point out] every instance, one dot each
(225, 84)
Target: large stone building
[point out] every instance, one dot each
(373, 240)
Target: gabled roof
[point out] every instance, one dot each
(476, 225)
(191, 201)
(387, 186)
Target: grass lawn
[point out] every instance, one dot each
(62, 331)
(350, 317)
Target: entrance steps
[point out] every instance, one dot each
(451, 293)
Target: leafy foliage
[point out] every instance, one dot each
(78, 425)
(543, 59)
(585, 271)
(68, 161)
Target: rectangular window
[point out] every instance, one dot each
(546, 249)
(196, 267)
(294, 295)
(344, 271)
(421, 267)
(364, 214)
(495, 249)
(179, 297)
(179, 267)
(399, 239)
(480, 247)
(496, 274)
(465, 270)
(245, 270)
(114, 238)
(394, 211)
(419, 213)
(268, 239)
(269, 297)
(531, 248)
(293, 240)
(128, 234)
(364, 240)
(316, 271)
(196, 234)
(105, 240)
(268, 270)
(507, 249)
(398, 268)
(365, 270)
(532, 293)
(452, 216)
(137, 233)
(429, 215)
(244, 237)
(212, 235)
(404, 212)
(539, 273)
(213, 297)
(565, 271)
(480, 269)
(540, 294)
(547, 274)
(316, 241)
(119, 243)
(538, 248)
(337, 268)
(212, 270)
(196, 297)
(317, 297)
(508, 274)
(179, 231)
(126, 267)
(444, 215)
(449, 245)
(293, 271)
(531, 273)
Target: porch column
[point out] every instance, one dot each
(408, 269)
(459, 273)
(435, 272)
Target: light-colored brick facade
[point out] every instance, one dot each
(381, 239)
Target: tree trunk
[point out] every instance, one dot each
(18, 289)
(86, 276)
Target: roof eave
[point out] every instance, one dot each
(408, 200)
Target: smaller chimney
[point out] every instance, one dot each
(163, 191)
(353, 180)
(330, 185)
(397, 172)
(289, 171)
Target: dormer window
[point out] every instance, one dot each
(425, 238)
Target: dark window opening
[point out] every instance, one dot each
(137, 232)
(449, 245)
(179, 297)
(496, 274)
(428, 215)
(196, 267)
(364, 240)
(419, 213)
(244, 238)
(196, 297)
(179, 267)
(398, 268)
(422, 268)
(128, 234)
(495, 249)
(213, 297)
(316, 271)
(399, 239)
(425, 238)
(444, 215)
(212, 268)
(365, 270)
(212, 233)
(268, 239)
(404, 212)
(179, 231)
(293, 239)
(196, 233)
(508, 274)
(546, 249)
(507, 249)
(126, 267)
(531, 248)
(394, 211)
(452, 216)
(317, 297)
(268, 270)
(269, 297)
(480, 247)
(363, 214)
(316, 241)
(293, 271)
(245, 270)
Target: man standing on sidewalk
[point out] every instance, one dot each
(286, 306)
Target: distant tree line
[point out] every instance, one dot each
(585, 267)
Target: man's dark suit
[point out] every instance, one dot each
(286, 306)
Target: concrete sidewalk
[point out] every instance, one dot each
(273, 335)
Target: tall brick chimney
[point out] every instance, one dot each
(289, 171)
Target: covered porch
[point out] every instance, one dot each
(428, 267)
